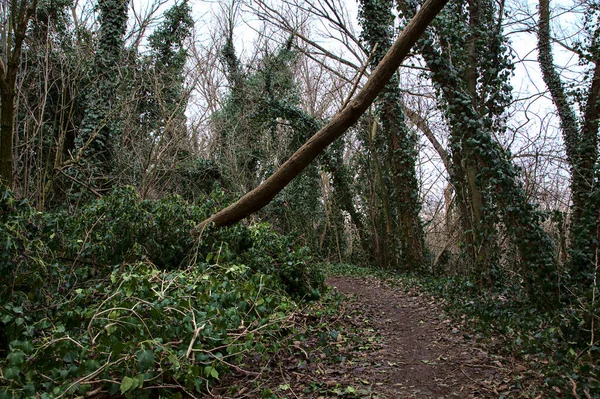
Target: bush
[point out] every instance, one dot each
(22, 251)
(122, 228)
(118, 296)
(146, 327)
(24, 272)
(275, 254)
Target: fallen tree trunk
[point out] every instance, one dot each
(341, 122)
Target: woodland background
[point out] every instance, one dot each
(125, 124)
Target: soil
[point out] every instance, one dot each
(424, 354)
(384, 342)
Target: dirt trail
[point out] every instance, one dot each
(422, 354)
(384, 342)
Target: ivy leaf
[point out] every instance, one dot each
(6, 394)
(11, 373)
(16, 358)
(145, 359)
(128, 384)
(210, 371)
(139, 380)
(117, 348)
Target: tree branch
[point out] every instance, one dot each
(264, 193)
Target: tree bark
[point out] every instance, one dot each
(6, 134)
(581, 147)
(20, 13)
(264, 193)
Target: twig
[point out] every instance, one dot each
(359, 76)
(485, 366)
(297, 346)
(286, 381)
(196, 332)
(476, 382)
(93, 191)
(94, 392)
(574, 390)
(92, 374)
(120, 308)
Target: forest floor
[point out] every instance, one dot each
(381, 341)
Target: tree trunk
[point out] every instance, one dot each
(398, 145)
(19, 13)
(581, 147)
(6, 135)
(479, 162)
(263, 194)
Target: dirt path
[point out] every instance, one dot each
(382, 342)
(422, 354)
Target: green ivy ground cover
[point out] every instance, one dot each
(118, 298)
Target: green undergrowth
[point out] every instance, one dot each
(116, 297)
(559, 346)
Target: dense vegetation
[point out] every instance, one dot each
(123, 127)
(117, 296)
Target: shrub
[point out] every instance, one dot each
(122, 228)
(118, 296)
(22, 251)
(172, 330)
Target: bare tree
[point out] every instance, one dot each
(263, 194)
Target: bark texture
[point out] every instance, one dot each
(581, 147)
(20, 13)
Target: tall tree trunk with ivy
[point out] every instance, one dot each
(580, 136)
(259, 126)
(14, 20)
(100, 131)
(467, 56)
(162, 102)
(238, 147)
(343, 193)
(396, 146)
(456, 68)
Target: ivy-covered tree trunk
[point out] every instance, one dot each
(581, 147)
(456, 69)
(483, 237)
(18, 14)
(162, 104)
(341, 177)
(467, 57)
(99, 134)
(397, 148)
(260, 125)
(239, 146)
